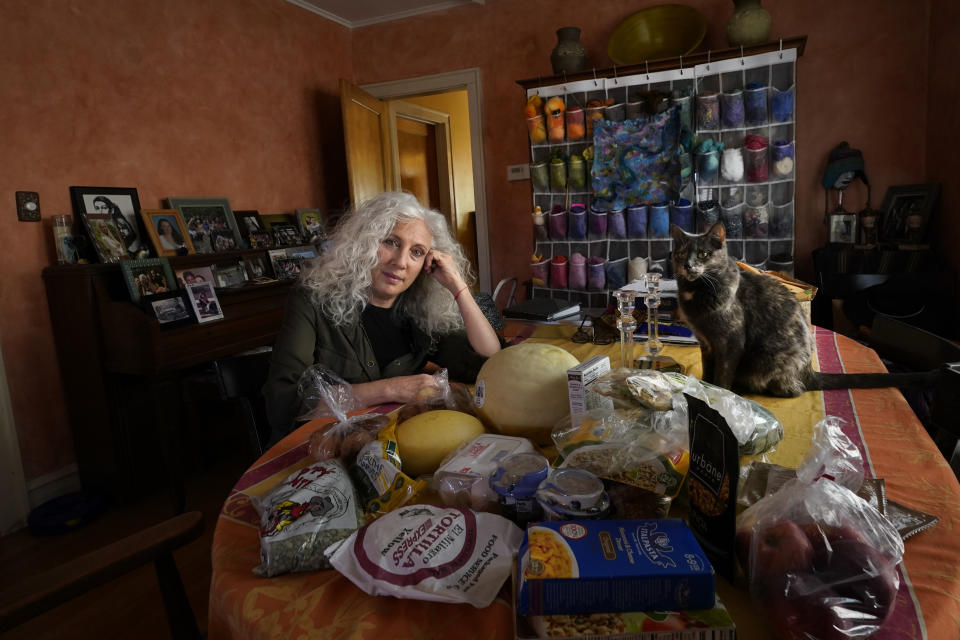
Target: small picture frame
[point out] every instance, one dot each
(204, 301)
(230, 274)
(312, 225)
(167, 231)
(288, 268)
(122, 205)
(105, 237)
(906, 213)
(251, 227)
(193, 275)
(256, 268)
(148, 277)
(843, 228)
(171, 309)
(210, 223)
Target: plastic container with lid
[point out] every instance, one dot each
(573, 494)
(515, 481)
(463, 479)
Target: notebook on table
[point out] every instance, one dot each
(542, 309)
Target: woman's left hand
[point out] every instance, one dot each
(442, 267)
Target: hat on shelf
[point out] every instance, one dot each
(843, 160)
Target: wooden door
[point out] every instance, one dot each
(366, 133)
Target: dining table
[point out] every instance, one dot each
(893, 442)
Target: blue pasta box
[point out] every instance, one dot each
(609, 566)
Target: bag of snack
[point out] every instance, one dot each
(311, 509)
(426, 552)
(381, 485)
(820, 560)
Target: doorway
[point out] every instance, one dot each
(458, 96)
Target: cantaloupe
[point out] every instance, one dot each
(522, 390)
(427, 438)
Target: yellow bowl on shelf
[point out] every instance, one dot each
(662, 31)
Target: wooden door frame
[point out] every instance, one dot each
(441, 123)
(468, 79)
(14, 506)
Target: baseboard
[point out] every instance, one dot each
(53, 485)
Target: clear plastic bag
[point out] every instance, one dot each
(757, 430)
(444, 394)
(637, 446)
(311, 509)
(820, 560)
(329, 396)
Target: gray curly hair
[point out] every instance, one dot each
(340, 279)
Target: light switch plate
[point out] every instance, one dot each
(517, 172)
(28, 206)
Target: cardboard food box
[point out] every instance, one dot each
(578, 379)
(803, 292)
(612, 566)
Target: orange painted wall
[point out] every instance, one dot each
(862, 79)
(234, 98)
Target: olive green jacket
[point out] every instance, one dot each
(308, 337)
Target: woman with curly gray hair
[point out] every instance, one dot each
(389, 295)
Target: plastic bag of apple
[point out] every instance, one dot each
(821, 561)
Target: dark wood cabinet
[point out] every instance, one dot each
(122, 372)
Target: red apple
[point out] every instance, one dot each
(782, 549)
(806, 617)
(861, 574)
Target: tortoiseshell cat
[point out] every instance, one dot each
(753, 334)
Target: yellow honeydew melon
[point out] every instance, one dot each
(522, 390)
(427, 438)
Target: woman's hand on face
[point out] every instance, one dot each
(442, 267)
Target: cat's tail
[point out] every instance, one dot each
(825, 381)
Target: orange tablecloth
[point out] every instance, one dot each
(326, 605)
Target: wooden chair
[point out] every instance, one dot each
(241, 378)
(33, 595)
(921, 350)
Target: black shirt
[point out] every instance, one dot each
(388, 333)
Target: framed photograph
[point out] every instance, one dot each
(288, 268)
(122, 205)
(312, 225)
(843, 228)
(304, 252)
(105, 237)
(167, 231)
(251, 227)
(148, 277)
(230, 274)
(256, 268)
(210, 223)
(193, 275)
(285, 234)
(906, 212)
(171, 309)
(204, 301)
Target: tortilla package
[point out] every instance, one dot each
(426, 552)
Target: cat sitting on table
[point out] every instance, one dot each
(754, 337)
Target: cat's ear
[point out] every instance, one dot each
(678, 235)
(717, 235)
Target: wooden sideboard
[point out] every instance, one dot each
(122, 372)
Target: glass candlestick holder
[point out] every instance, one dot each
(626, 324)
(653, 359)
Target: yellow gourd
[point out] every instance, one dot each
(427, 438)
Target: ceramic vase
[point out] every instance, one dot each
(569, 55)
(749, 24)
